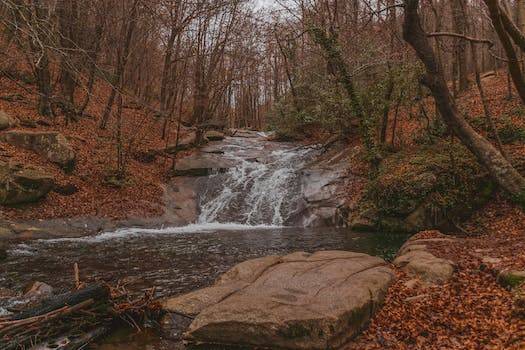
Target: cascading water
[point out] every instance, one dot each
(263, 188)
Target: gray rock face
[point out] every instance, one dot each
(297, 301)
(21, 184)
(7, 121)
(51, 145)
(213, 135)
(201, 166)
(416, 260)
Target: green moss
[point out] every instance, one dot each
(511, 133)
(511, 279)
(428, 185)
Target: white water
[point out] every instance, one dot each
(262, 190)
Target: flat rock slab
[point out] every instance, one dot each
(201, 166)
(297, 301)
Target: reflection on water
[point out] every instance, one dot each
(173, 263)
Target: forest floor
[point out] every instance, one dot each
(96, 152)
(470, 311)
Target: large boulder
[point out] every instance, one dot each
(51, 145)
(428, 187)
(297, 301)
(7, 121)
(21, 184)
(416, 260)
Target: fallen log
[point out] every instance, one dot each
(95, 292)
(72, 320)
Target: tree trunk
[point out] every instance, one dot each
(498, 17)
(67, 15)
(41, 67)
(122, 59)
(459, 20)
(488, 156)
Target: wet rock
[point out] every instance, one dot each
(511, 278)
(213, 135)
(298, 301)
(323, 185)
(364, 220)
(417, 261)
(6, 121)
(21, 184)
(38, 290)
(244, 133)
(173, 325)
(6, 233)
(51, 145)
(201, 166)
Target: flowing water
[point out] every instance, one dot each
(244, 213)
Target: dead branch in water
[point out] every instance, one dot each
(77, 317)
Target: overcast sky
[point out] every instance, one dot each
(265, 3)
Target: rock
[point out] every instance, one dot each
(201, 166)
(7, 121)
(297, 301)
(173, 326)
(28, 123)
(51, 145)
(186, 142)
(412, 283)
(38, 290)
(519, 302)
(20, 184)
(213, 135)
(145, 157)
(364, 220)
(511, 278)
(416, 189)
(6, 233)
(66, 190)
(244, 133)
(3, 251)
(415, 260)
(487, 260)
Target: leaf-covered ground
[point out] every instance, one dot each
(96, 157)
(471, 311)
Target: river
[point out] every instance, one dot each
(249, 210)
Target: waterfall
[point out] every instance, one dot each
(264, 188)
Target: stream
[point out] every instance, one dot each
(250, 210)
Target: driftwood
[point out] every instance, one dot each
(77, 317)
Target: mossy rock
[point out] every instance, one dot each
(511, 278)
(21, 184)
(428, 187)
